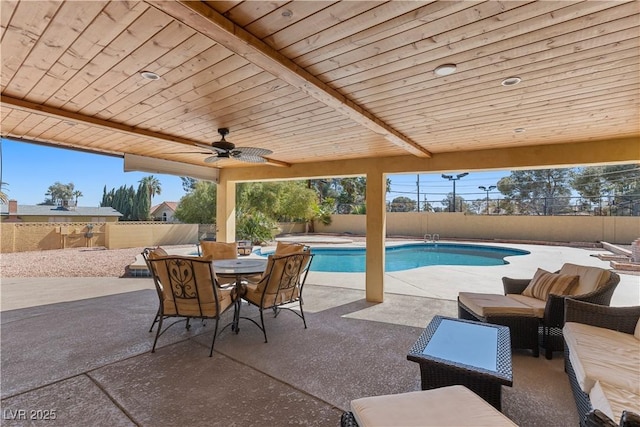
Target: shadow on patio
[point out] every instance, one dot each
(88, 361)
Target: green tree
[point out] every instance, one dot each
(537, 192)
(403, 204)
(461, 204)
(279, 201)
(618, 184)
(188, 184)
(199, 205)
(77, 194)
(58, 193)
(153, 186)
(142, 208)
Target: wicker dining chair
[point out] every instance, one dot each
(188, 289)
(280, 284)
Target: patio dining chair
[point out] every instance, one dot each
(287, 248)
(219, 250)
(188, 289)
(280, 284)
(154, 253)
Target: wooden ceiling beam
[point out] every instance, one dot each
(206, 20)
(31, 107)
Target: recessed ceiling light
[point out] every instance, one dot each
(287, 13)
(445, 69)
(149, 75)
(511, 81)
(519, 130)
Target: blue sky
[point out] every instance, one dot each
(29, 170)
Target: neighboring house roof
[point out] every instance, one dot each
(48, 210)
(168, 205)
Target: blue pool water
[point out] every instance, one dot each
(405, 257)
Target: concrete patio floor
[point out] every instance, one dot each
(80, 347)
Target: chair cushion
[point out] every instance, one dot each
(285, 248)
(446, 406)
(493, 304)
(591, 278)
(157, 253)
(600, 354)
(537, 305)
(219, 250)
(545, 283)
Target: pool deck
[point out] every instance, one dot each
(440, 282)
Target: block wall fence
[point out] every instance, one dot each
(20, 237)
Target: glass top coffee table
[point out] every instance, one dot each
(454, 351)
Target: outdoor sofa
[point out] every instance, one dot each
(602, 360)
(534, 308)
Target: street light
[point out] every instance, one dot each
(483, 188)
(454, 179)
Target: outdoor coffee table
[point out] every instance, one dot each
(454, 351)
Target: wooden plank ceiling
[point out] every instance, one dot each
(318, 80)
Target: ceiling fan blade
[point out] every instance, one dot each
(188, 152)
(249, 159)
(253, 151)
(211, 159)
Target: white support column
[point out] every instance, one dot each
(226, 211)
(376, 231)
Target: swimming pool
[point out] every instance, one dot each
(414, 255)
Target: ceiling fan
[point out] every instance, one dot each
(224, 149)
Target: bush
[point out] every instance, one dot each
(255, 227)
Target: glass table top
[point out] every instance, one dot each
(466, 343)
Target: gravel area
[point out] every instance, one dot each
(75, 262)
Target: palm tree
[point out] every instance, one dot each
(153, 185)
(4, 199)
(77, 194)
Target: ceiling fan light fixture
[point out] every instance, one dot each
(445, 69)
(149, 75)
(287, 13)
(511, 81)
(519, 130)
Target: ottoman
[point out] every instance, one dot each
(446, 406)
(523, 320)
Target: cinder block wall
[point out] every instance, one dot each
(612, 229)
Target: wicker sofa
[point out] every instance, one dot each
(538, 320)
(602, 360)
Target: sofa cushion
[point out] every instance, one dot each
(537, 305)
(591, 278)
(446, 406)
(545, 283)
(493, 304)
(613, 400)
(599, 354)
(600, 401)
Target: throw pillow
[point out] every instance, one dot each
(545, 283)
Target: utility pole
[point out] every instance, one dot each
(418, 198)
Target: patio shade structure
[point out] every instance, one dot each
(330, 88)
